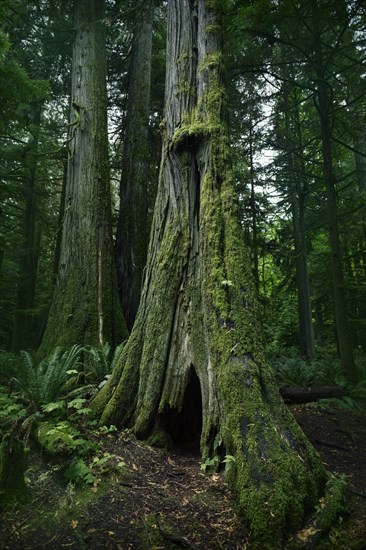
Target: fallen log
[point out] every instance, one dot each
(307, 395)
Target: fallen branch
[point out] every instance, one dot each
(307, 395)
(332, 445)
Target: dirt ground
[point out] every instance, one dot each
(164, 500)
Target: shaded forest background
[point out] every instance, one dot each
(296, 96)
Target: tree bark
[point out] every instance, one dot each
(132, 228)
(253, 208)
(344, 335)
(23, 331)
(298, 192)
(85, 307)
(195, 355)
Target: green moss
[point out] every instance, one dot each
(332, 503)
(74, 315)
(213, 60)
(213, 28)
(160, 439)
(56, 438)
(152, 535)
(188, 135)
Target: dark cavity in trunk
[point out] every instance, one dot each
(185, 426)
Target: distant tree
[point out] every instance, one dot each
(85, 308)
(295, 188)
(24, 91)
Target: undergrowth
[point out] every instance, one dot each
(45, 403)
(290, 369)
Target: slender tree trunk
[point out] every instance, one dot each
(85, 307)
(195, 357)
(360, 156)
(132, 228)
(356, 90)
(23, 331)
(61, 215)
(344, 335)
(253, 212)
(298, 192)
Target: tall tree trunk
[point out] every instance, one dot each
(85, 307)
(132, 228)
(298, 192)
(253, 208)
(23, 331)
(360, 154)
(344, 335)
(195, 357)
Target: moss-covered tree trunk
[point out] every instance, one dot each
(132, 228)
(194, 363)
(85, 306)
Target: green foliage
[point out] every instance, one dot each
(17, 88)
(290, 369)
(213, 464)
(99, 362)
(62, 437)
(80, 471)
(44, 398)
(8, 366)
(44, 382)
(210, 464)
(11, 410)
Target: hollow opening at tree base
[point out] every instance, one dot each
(185, 426)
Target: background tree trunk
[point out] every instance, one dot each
(344, 335)
(132, 228)
(195, 356)
(24, 320)
(298, 192)
(85, 308)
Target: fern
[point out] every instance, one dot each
(55, 372)
(45, 382)
(295, 371)
(100, 361)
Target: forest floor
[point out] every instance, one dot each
(164, 500)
